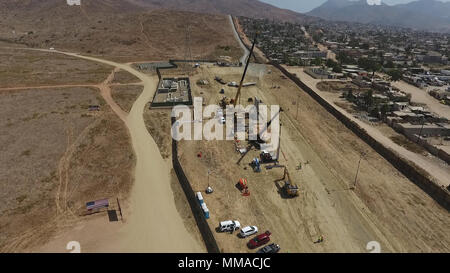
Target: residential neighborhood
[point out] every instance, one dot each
(391, 75)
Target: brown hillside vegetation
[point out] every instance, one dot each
(116, 31)
(56, 156)
(22, 68)
(249, 8)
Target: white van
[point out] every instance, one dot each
(229, 226)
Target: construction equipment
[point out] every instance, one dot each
(256, 164)
(224, 102)
(267, 157)
(243, 187)
(271, 157)
(269, 122)
(219, 79)
(238, 93)
(289, 188)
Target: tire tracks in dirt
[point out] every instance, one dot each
(154, 224)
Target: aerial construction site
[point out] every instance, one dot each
(89, 153)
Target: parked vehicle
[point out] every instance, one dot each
(272, 248)
(259, 240)
(247, 231)
(229, 226)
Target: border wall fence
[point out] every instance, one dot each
(414, 173)
(205, 230)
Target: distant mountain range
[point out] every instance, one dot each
(431, 15)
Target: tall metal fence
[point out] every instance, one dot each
(414, 173)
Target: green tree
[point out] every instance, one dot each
(389, 64)
(337, 69)
(316, 61)
(369, 98)
(395, 74)
(331, 63)
(384, 109)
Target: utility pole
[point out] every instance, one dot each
(357, 171)
(209, 189)
(296, 115)
(208, 176)
(420, 132)
(188, 52)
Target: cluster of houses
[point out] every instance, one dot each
(394, 106)
(387, 103)
(353, 72)
(392, 47)
(401, 53)
(441, 95)
(422, 79)
(384, 98)
(284, 42)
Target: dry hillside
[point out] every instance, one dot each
(117, 31)
(249, 8)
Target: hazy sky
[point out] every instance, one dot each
(307, 5)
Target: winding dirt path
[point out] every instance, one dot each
(236, 36)
(154, 224)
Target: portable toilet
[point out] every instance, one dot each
(205, 210)
(200, 198)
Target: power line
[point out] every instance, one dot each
(187, 53)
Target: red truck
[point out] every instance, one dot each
(259, 240)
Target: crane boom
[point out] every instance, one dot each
(238, 93)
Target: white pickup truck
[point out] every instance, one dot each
(229, 226)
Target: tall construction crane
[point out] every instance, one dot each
(238, 93)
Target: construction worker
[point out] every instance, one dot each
(319, 240)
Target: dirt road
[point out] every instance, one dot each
(236, 35)
(246, 40)
(421, 96)
(153, 223)
(330, 54)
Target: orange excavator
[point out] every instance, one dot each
(289, 188)
(243, 186)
